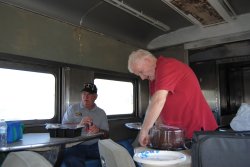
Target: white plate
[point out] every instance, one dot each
(159, 158)
(134, 125)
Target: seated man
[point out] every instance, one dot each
(94, 118)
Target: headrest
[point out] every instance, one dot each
(25, 159)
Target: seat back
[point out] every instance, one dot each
(25, 159)
(114, 155)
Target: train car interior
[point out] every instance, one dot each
(48, 49)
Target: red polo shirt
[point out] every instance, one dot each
(185, 105)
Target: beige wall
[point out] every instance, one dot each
(32, 35)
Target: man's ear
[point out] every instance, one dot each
(147, 60)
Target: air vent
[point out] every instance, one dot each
(203, 12)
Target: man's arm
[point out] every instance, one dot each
(95, 129)
(105, 133)
(67, 117)
(153, 111)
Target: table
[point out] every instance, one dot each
(43, 140)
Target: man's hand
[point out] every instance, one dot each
(86, 121)
(143, 138)
(93, 129)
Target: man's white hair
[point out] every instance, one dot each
(136, 56)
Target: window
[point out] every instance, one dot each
(26, 95)
(116, 97)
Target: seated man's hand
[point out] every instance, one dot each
(86, 121)
(93, 129)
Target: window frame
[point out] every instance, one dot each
(122, 77)
(18, 62)
(14, 62)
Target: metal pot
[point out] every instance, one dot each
(167, 138)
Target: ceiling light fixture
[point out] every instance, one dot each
(139, 14)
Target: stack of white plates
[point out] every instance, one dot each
(155, 158)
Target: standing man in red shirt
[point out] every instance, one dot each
(176, 96)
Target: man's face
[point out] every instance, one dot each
(88, 99)
(145, 69)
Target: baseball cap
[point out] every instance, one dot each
(89, 87)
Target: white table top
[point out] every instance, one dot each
(39, 140)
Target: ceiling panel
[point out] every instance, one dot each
(162, 12)
(129, 28)
(108, 18)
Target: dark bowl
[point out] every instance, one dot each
(164, 137)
